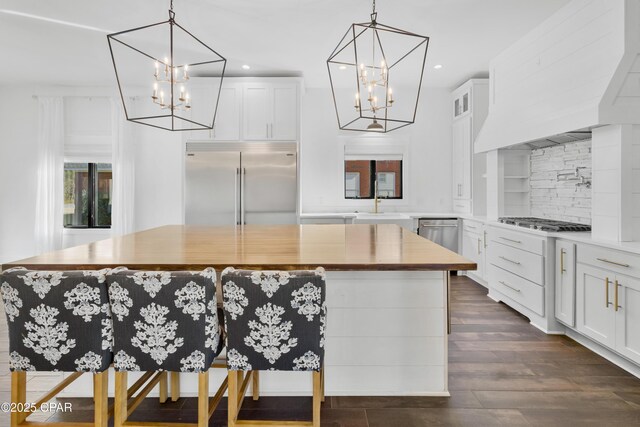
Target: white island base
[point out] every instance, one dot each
(386, 336)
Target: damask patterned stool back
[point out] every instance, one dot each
(163, 321)
(58, 321)
(275, 320)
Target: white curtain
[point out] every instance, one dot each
(123, 197)
(50, 192)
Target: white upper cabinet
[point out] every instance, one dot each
(227, 124)
(284, 126)
(257, 117)
(270, 111)
(470, 105)
(462, 158)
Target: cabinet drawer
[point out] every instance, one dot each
(518, 240)
(462, 206)
(610, 259)
(518, 289)
(472, 226)
(524, 264)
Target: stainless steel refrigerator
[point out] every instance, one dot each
(236, 183)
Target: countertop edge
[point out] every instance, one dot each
(198, 267)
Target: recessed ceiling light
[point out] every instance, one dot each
(343, 67)
(438, 66)
(246, 67)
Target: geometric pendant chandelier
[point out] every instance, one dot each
(156, 69)
(376, 75)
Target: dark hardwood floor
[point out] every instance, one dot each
(503, 371)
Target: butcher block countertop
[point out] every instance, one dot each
(340, 247)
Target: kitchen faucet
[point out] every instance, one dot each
(376, 200)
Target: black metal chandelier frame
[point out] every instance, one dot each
(172, 22)
(355, 31)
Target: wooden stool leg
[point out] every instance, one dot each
(175, 386)
(18, 395)
(120, 405)
(203, 399)
(100, 397)
(232, 392)
(322, 382)
(317, 397)
(163, 387)
(255, 385)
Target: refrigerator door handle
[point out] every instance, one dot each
(237, 197)
(243, 219)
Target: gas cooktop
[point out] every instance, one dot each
(543, 224)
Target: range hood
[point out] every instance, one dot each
(578, 70)
(562, 138)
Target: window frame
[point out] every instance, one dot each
(91, 205)
(373, 176)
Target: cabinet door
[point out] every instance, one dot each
(628, 317)
(257, 112)
(565, 282)
(457, 158)
(466, 130)
(227, 125)
(595, 316)
(284, 126)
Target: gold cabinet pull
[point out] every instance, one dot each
(478, 245)
(615, 296)
(606, 292)
(613, 262)
(562, 269)
(485, 239)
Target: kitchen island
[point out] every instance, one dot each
(387, 295)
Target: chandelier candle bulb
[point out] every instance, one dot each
(357, 100)
(155, 91)
(186, 69)
(156, 72)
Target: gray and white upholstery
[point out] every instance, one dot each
(164, 321)
(274, 320)
(57, 320)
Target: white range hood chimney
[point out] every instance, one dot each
(578, 70)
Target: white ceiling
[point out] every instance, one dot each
(275, 37)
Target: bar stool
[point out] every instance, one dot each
(57, 321)
(275, 320)
(164, 321)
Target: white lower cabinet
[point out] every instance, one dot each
(565, 282)
(595, 316)
(608, 309)
(628, 317)
(474, 245)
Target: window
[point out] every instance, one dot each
(362, 177)
(87, 195)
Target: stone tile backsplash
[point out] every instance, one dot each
(559, 198)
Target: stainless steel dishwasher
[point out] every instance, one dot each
(443, 231)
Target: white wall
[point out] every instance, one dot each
(159, 176)
(18, 138)
(428, 166)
